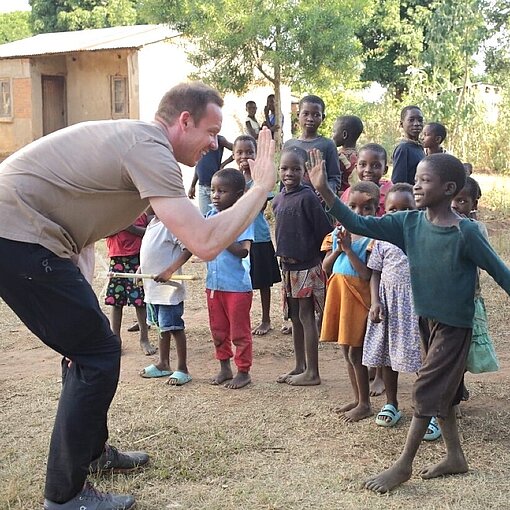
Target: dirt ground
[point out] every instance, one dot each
(268, 446)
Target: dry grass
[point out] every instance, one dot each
(269, 447)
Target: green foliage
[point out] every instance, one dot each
(14, 26)
(65, 15)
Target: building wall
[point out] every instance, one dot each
(17, 131)
(88, 83)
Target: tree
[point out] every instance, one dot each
(65, 15)
(14, 26)
(291, 42)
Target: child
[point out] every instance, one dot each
(468, 167)
(392, 339)
(371, 166)
(434, 135)
(444, 252)
(301, 225)
(264, 270)
(251, 126)
(229, 290)
(270, 116)
(409, 152)
(346, 131)
(312, 112)
(348, 297)
(162, 254)
(124, 253)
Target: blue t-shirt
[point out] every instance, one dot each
(228, 272)
(262, 231)
(208, 165)
(342, 264)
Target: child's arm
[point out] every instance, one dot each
(333, 250)
(165, 275)
(361, 267)
(137, 231)
(240, 249)
(388, 228)
(376, 313)
(193, 185)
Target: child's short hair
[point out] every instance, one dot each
(298, 151)
(406, 109)
(245, 138)
(473, 189)
(248, 103)
(375, 147)
(448, 168)
(352, 124)
(314, 100)
(400, 187)
(369, 188)
(438, 130)
(468, 167)
(233, 177)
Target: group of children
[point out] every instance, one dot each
(390, 275)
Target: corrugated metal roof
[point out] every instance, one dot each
(134, 36)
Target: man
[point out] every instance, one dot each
(62, 193)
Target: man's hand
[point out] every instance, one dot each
(263, 171)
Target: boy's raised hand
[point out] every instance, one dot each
(263, 170)
(316, 168)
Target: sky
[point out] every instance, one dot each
(14, 5)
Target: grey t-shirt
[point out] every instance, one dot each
(329, 154)
(85, 182)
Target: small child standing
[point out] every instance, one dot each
(264, 270)
(301, 224)
(371, 166)
(444, 252)
(312, 111)
(346, 131)
(392, 340)
(251, 125)
(229, 290)
(409, 152)
(162, 254)
(434, 135)
(348, 297)
(124, 253)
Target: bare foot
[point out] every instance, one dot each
(147, 348)
(262, 329)
(286, 329)
(239, 381)
(448, 466)
(223, 375)
(360, 412)
(389, 479)
(346, 407)
(377, 387)
(285, 377)
(304, 379)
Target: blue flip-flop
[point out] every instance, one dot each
(152, 372)
(433, 430)
(388, 411)
(179, 378)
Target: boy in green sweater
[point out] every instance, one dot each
(444, 251)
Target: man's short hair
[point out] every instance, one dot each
(448, 168)
(190, 97)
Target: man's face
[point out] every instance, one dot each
(199, 138)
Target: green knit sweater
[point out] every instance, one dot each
(443, 260)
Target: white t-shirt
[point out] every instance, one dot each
(160, 248)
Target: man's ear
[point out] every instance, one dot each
(185, 119)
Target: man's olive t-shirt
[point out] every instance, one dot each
(85, 182)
